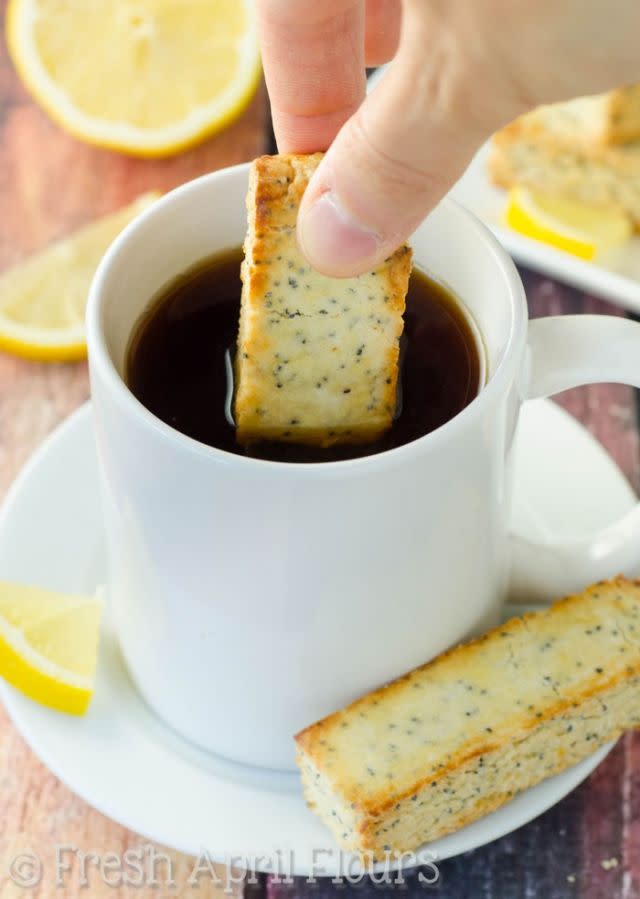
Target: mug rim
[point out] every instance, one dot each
(101, 364)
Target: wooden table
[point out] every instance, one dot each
(588, 846)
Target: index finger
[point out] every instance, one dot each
(313, 57)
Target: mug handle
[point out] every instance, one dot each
(566, 351)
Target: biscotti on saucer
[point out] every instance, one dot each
(317, 358)
(460, 736)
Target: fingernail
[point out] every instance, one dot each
(332, 240)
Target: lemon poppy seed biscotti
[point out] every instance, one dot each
(538, 151)
(602, 119)
(317, 357)
(460, 736)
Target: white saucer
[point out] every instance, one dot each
(128, 765)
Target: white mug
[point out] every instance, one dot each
(253, 597)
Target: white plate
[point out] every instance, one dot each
(128, 765)
(616, 276)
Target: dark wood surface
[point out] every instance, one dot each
(588, 846)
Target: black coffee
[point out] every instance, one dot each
(178, 362)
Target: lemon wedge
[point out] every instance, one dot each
(146, 77)
(582, 230)
(49, 645)
(43, 299)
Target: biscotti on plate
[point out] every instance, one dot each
(530, 153)
(604, 119)
(317, 358)
(597, 175)
(460, 736)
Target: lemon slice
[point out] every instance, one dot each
(42, 300)
(574, 227)
(147, 77)
(49, 645)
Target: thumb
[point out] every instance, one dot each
(396, 157)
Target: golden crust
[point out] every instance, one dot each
(623, 119)
(333, 755)
(276, 189)
(303, 337)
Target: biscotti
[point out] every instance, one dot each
(317, 358)
(460, 736)
(526, 153)
(604, 119)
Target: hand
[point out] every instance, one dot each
(461, 69)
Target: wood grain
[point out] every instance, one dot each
(49, 184)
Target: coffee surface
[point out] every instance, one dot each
(178, 362)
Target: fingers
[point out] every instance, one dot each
(382, 31)
(313, 56)
(396, 157)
